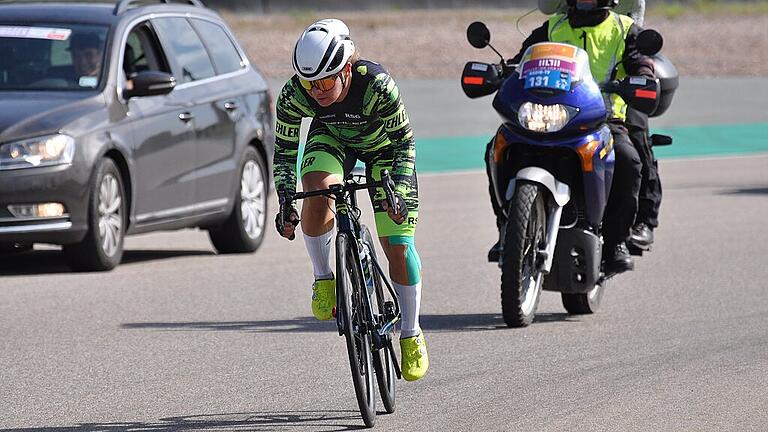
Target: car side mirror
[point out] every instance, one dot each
(649, 42)
(149, 83)
(478, 35)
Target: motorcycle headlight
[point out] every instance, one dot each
(543, 118)
(37, 152)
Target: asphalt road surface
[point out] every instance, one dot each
(180, 339)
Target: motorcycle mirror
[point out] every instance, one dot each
(478, 35)
(649, 42)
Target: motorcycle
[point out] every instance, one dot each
(551, 165)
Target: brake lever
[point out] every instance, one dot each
(285, 214)
(611, 86)
(389, 189)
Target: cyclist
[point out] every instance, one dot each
(356, 113)
(610, 40)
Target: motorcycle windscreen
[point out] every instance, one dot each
(554, 66)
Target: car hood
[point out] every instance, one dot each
(24, 115)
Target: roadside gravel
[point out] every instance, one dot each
(432, 43)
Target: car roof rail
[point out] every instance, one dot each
(123, 5)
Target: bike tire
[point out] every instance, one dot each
(349, 286)
(383, 363)
(586, 303)
(521, 283)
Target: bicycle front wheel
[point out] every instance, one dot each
(351, 307)
(383, 363)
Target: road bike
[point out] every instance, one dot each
(364, 316)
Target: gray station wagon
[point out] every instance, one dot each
(124, 119)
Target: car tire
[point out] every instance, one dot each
(243, 231)
(102, 247)
(7, 248)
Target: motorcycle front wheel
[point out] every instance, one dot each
(521, 277)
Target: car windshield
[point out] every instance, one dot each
(51, 56)
(555, 66)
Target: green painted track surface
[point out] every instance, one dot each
(466, 153)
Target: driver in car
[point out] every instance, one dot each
(86, 58)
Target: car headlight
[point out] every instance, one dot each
(543, 118)
(37, 152)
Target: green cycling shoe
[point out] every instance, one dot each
(323, 298)
(415, 360)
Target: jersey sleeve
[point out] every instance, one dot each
(391, 110)
(291, 107)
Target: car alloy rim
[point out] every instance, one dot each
(110, 218)
(252, 199)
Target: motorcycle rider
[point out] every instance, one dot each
(634, 9)
(605, 35)
(356, 113)
(637, 123)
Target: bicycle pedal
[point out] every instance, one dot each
(389, 310)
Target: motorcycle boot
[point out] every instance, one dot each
(642, 236)
(617, 258)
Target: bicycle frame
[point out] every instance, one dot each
(348, 223)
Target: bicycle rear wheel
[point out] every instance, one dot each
(382, 358)
(351, 306)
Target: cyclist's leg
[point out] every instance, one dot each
(404, 264)
(321, 166)
(401, 265)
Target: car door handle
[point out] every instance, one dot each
(230, 106)
(186, 116)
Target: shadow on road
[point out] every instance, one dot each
(255, 421)
(37, 262)
(430, 323)
(748, 191)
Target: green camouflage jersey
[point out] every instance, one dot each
(370, 119)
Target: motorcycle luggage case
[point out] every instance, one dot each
(669, 80)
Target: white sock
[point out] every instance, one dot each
(319, 249)
(410, 303)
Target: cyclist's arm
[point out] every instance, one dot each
(291, 106)
(398, 129)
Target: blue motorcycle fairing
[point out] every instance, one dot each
(584, 96)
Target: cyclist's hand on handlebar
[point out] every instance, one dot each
(286, 221)
(399, 214)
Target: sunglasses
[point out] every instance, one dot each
(323, 84)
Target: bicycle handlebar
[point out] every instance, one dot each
(334, 190)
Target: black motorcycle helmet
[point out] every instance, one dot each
(591, 5)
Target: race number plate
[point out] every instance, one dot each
(552, 79)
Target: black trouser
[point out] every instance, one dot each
(650, 185)
(622, 202)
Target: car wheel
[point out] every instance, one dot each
(7, 248)
(102, 247)
(244, 230)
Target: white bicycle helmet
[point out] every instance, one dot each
(322, 50)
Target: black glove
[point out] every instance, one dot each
(286, 215)
(401, 208)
